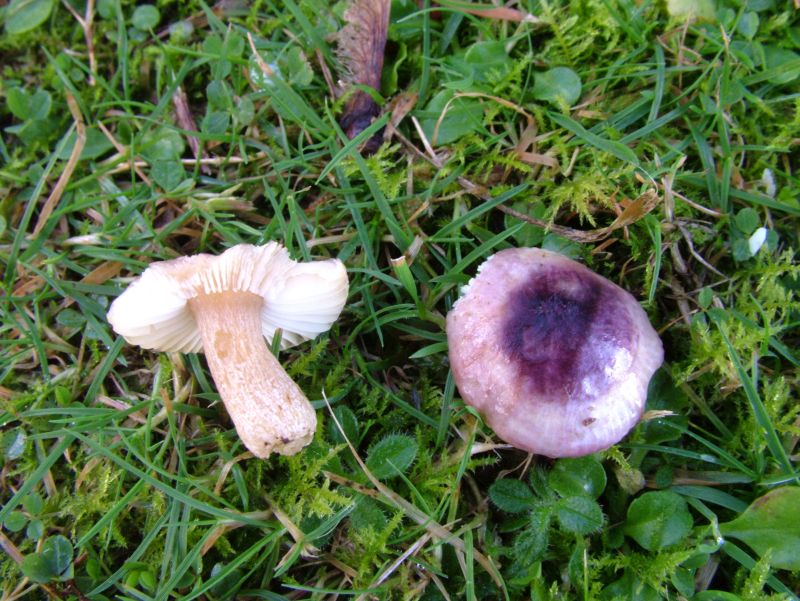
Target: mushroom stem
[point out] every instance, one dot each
(270, 412)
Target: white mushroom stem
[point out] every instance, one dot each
(270, 412)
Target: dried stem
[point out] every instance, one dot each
(63, 180)
(87, 23)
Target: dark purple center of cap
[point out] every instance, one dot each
(563, 331)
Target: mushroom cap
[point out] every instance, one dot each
(302, 299)
(556, 357)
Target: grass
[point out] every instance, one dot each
(122, 475)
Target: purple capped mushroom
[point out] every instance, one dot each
(555, 357)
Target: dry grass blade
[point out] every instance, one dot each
(87, 24)
(635, 210)
(400, 107)
(10, 549)
(63, 180)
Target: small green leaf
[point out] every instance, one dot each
(511, 495)
(15, 521)
(741, 250)
(33, 131)
(705, 297)
(658, 519)
(163, 144)
(630, 588)
(36, 568)
(107, 9)
(62, 395)
(57, 550)
(146, 17)
(683, 581)
(24, 15)
(391, 456)
(218, 94)
(245, 111)
(731, 92)
(167, 174)
(297, 68)
(760, 5)
(748, 24)
(93, 568)
(212, 44)
(784, 63)
(583, 476)
(462, 117)
(96, 145)
(132, 579)
(18, 102)
(576, 568)
(226, 586)
(367, 514)
(529, 235)
(770, 524)
(216, 123)
(560, 85)
(54, 562)
(747, 220)
(28, 107)
(70, 318)
(531, 543)
(349, 424)
(35, 530)
(489, 60)
(148, 580)
(223, 51)
(579, 515)
(33, 503)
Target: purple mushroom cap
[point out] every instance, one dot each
(555, 357)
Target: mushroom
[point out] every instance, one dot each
(226, 306)
(556, 357)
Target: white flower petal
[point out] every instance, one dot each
(757, 240)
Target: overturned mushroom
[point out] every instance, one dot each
(226, 306)
(556, 357)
